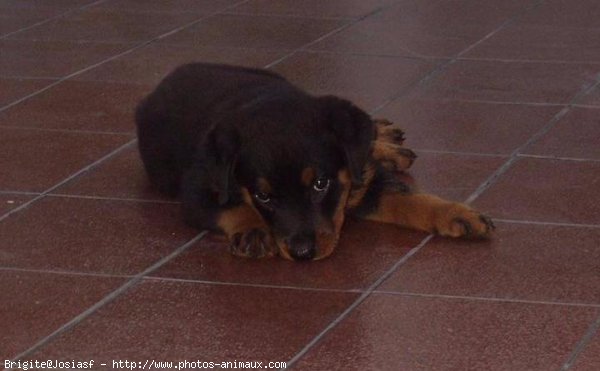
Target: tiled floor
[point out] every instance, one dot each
(500, 98)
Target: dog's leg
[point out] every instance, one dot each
(387, 148)
(431, 214)
(247, 232)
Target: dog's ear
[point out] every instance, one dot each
(221, 149)
(354, 130)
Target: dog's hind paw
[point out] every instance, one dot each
(386, 132)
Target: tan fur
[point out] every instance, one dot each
(357, 194)
(430, 214)
(308, 176)
(328, 235)
(242, 220)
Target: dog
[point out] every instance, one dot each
(277, 169)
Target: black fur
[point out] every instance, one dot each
(208, 131)
(383, 181)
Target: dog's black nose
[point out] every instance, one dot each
(302, 247)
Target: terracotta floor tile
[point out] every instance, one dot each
(142, 66)
(411, 333)
(592, 99)
(455, 13)
(453, 176)
(13, 89)
(589, 359)
(448, 125)
(521, 261)
(409, 39)
(14, 19)
(44, 4)
(59, 233)
(122, 176)
(51, 301)
(565, 13)
(512, 81)
(23, 58)
(352, 266)
(312, 8)
(423, 29)
(576, 135)
(93, 24)
(546, 190)
(255, 31)
(541, 43)
(367, 81)
(75, 105)
(34, 160)
(206, 322)
(11, 201)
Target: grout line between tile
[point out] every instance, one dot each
(288, 15)
(109, 298)
(69, 178)
(101, 198)
(555, 224)
(460, 153)
(419, 57)
(75, 131)
(582, 344)
(19, 77)
(541, 61)
(256, 285)
(47, 20)
(499, 102)
(65, 273)
(559, 158)
(592, 106)
(24, 193)
(488, 299)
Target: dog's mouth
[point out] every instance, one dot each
(305, 249)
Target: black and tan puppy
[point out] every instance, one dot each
(276, 169)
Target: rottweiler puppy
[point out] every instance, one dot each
(276, 169)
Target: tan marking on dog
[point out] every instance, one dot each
(308, 176)
(357, 194)
(431, 214)
(328, 233)
(240, 218)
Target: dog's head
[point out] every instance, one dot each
(297, 174)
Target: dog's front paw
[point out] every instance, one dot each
(253, 243)
(459, 220)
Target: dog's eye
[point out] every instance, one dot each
(321, 184)
(262, 197)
